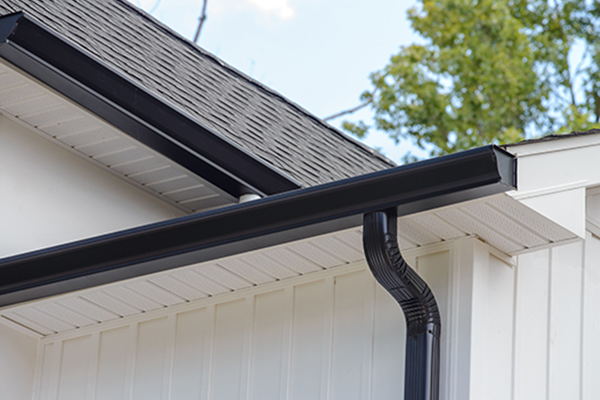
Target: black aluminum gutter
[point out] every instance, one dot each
(91, 83)
(257, 224)
(423, 321)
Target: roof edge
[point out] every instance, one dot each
(88, 81)
(254, 225)
(550, 138)
(261, 86)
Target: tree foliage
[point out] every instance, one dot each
(489, 72)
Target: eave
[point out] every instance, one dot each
(278, 219)
(123, 103)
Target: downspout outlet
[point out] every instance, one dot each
(423, 322)
(248, 197)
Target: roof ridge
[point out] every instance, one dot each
(170, 31)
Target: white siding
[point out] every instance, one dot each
(530, 356)
(50, 196)
(17, 364)
(522, 328)
(528, 331)
(591, 320)
(488, 355)
(271, 345)
(564, 356)
(112, 364)
(340, 336)
(554, 320)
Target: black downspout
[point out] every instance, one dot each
(423, 323)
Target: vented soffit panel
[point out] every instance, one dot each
(505, 224)
(62, 122)
(90, 83)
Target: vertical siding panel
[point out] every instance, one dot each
(209, 350)
(227, 368)
(312, 309)
(54, 372)
(94, 360)
(369, 327)
(74, 368)
(286, 358)
(465, 255)
(112, 364)
(39, 371)
(169, 356)
(591, 320)
(268, 346)
(435, 270)
(531, 326)
(327, 353)
(150, 360)
(565, 322)
(189, 381)
(132, 340)
(247, 349)
(389, 343)
(348, 336)
(492, 330)
(47, 362)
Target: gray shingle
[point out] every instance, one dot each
(222, 98)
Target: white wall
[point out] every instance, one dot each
(17, 364)
(531, 330)
(513, 328)
(50, 196)
(332, 336)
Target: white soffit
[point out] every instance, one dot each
(51, 116)
(500, 221)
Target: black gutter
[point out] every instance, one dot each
(258, 224)
(91, 83)
(423, 322)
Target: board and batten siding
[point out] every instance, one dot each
(513, 328)
(338, 335)
(534, 327)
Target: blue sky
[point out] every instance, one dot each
(318, 53)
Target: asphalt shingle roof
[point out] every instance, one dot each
(222, 98)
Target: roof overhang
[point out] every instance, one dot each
(125, 104)
(278, 219)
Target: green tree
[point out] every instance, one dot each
(489, 72)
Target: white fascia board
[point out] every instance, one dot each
(553, 177)
(545, 165)
(556, 145)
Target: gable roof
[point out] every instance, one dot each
(151, 136)
(200, 85)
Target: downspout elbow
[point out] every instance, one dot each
(416, 299)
